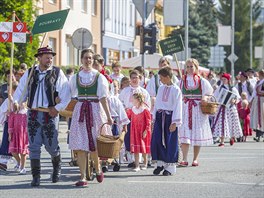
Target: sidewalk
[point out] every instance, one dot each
(62, 131)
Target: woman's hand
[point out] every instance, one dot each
(110, 121)
(172, 127)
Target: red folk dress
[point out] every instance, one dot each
(244, 115)
(17, 126)
(140, 120)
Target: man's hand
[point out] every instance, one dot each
(53, 112)
(172, 127)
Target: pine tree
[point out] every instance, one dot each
(23, 52)
(202, 29)
(242, 30)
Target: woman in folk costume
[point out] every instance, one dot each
(126, 97)
(167, 116)
(89, 114)
(196, 129)
(226, 122)
(257, 107)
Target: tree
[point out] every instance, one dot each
(23, 52)
(242, 30)
(202, 29)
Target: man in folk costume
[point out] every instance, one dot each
(46, 84)
(195, 129)
(257, 107)
(89, 114)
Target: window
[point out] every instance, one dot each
(52, 44)
(131, 15)
(53, 1)
(94, 7)
(107, 9)
(70, 4)
(84, 5)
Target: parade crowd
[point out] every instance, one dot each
(160, 113)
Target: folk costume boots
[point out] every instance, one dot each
(35, 170)
(56, 163)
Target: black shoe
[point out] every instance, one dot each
(166, 173)
(3, 167)
(116, 168)
(158, 170)
(105, 169)
(131, 165)
(149, 164)
(35, 181)
(35, 170)
(56, 163)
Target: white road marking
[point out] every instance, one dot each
(207, 183)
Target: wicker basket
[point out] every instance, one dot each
(67, 112)
(109, 146)
(209, 107)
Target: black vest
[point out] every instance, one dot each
(50, 85)
(249, 88)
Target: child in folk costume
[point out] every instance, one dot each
(167, 117)
(257, 107)
(5, 155)
(126, 97)
(226, 123)
(195, 130)
(140, 129)
(120, 120)
(18, 137)
(89, 114)
(244, 115)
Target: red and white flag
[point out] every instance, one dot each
(13, 32)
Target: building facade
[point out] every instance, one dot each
(118, 29)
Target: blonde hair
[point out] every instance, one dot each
(244, 95)
(140, 97)
(194, 62)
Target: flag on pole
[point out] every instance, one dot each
(13, 32)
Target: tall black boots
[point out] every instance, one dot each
(35, 170)
(56, 163)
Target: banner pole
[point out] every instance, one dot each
(11, 67)
(31, 72)
(177, 65)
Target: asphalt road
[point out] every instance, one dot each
(236, 171)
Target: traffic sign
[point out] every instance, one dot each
(139, 4)
(82, 38)
(217, 56)
(232, 57)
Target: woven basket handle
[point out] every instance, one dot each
(212, 97)
(103, 126)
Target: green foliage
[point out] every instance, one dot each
(23, 52)
(202, 29)
(242, 30)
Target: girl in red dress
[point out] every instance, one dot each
(140, 128)
(244, 115)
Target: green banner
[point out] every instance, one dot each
(50, 22)
(171, 45)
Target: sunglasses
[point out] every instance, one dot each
(191, 66)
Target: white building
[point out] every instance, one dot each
(118, 27)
